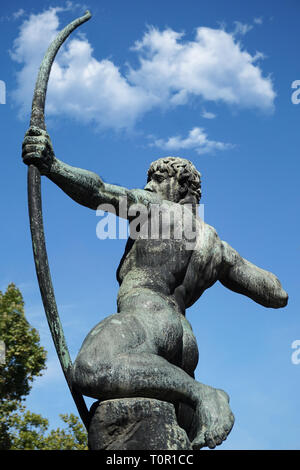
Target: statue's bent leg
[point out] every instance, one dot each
(185, 414)
(130, 355)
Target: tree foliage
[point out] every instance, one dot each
(25, 359)
(29, 431)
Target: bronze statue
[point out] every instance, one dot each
(147, 348)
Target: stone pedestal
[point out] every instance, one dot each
(135, 424)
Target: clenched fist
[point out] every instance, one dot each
(37, 149)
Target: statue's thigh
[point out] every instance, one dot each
(116, 334)
(157, 333)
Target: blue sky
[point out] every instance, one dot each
(208, 81)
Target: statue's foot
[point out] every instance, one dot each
(214, 418)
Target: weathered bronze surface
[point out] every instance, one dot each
(147, 348)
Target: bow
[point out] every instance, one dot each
(36, 219)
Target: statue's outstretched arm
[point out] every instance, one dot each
(86, 187)
(83, 186)
(243, 277)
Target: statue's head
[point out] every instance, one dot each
(176, 179)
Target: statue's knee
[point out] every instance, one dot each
(92, 378)
(190, 353)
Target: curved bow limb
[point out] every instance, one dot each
(36, 219)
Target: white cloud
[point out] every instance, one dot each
(171, 70)
(196, 140)
(258, 20)
(242, 28)
(208, 115)
(213, 67)
(14, 16)
(17, 14)
(79, 84)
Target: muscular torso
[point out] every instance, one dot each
(179, 261)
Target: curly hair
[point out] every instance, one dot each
(187, 175)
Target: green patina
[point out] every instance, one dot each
(36, 219)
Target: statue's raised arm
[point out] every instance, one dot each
(83, 186)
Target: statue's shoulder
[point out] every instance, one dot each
(209, 236)
(209, 230)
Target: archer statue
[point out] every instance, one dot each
(147, 348)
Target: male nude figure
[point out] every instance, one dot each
(147, 349)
